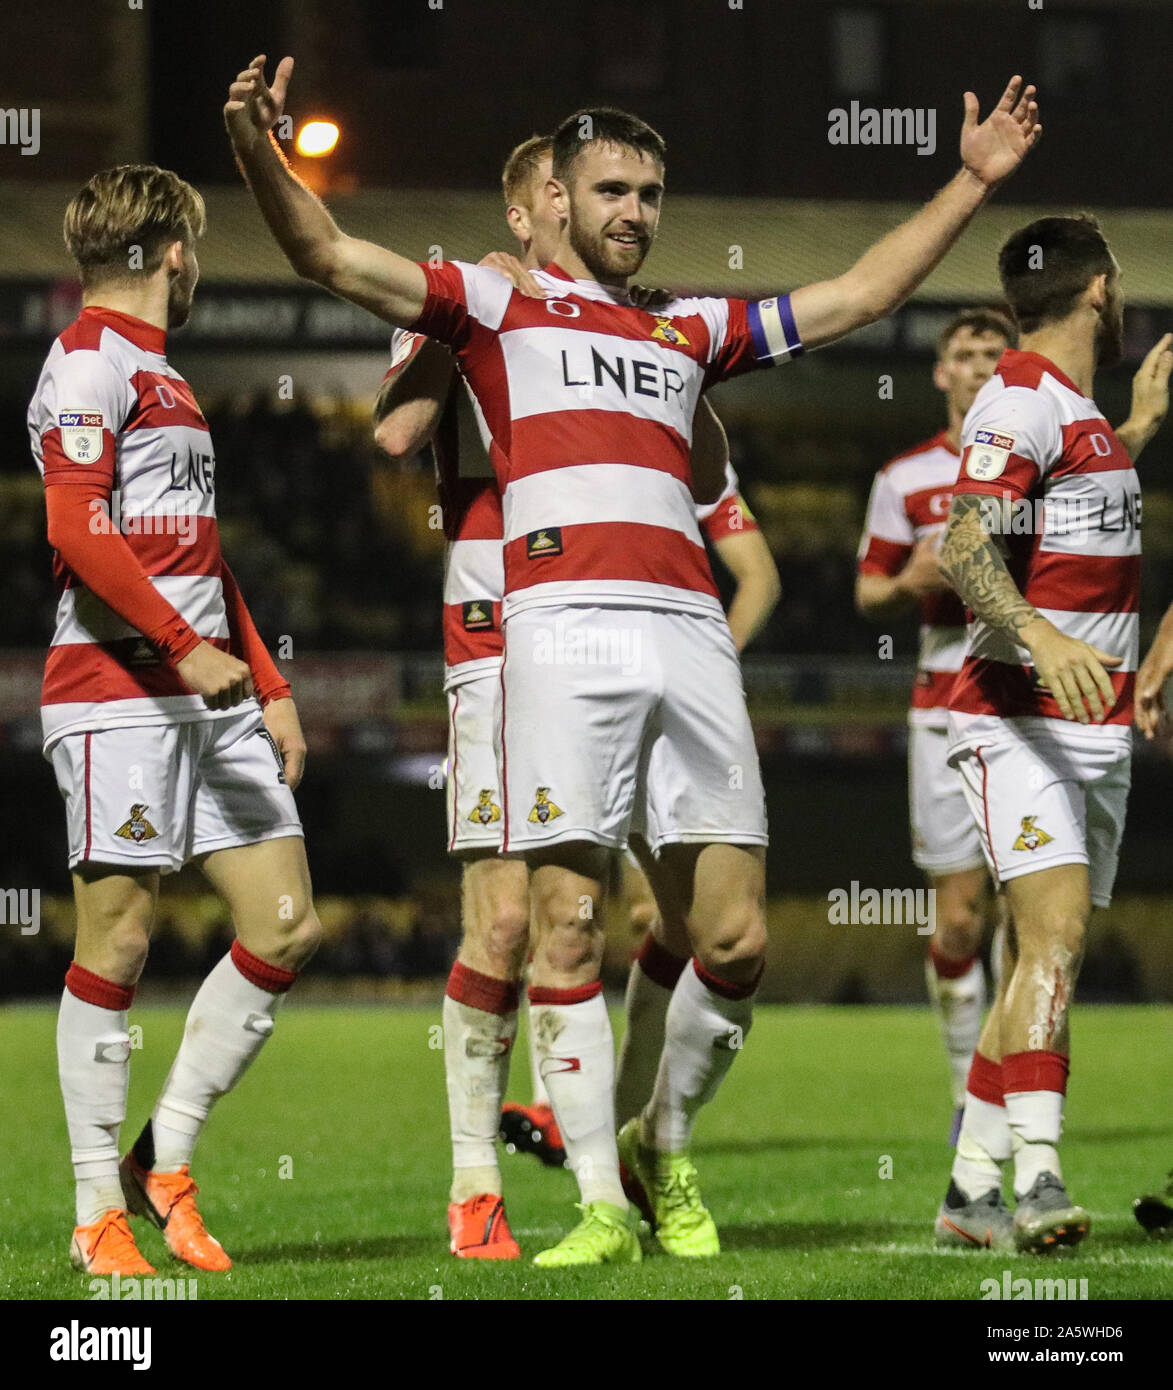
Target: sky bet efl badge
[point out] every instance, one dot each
(988, 455)
(81, 434)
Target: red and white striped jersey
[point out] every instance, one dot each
(1036, 443)
(910, 503)
(589, 402)
(728, 515)
(109, 411)
(470, 509)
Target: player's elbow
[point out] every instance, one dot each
(396, 438)
(315, 259)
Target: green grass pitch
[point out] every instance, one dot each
(350, 1102)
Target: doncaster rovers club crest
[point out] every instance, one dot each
(136, 827)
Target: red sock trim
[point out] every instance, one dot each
(484, 992)
(726, 988)
(259, 972)
(985, 1080)
(578, 995)
(947, 968)
(658, 963)
(83, 984)
(1035, 1071)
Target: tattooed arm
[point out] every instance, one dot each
(972, 560)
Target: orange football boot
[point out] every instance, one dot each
(479, 1230)
(168, 1200)
(107, 1247)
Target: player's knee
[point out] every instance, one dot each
(122, 940)
(643, 917)
(559, 908)
(738, 947)
(506, 934)
(958, 931)
(125, 949)
(1053, 933)
(297, 940)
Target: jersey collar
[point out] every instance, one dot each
(942, 441)
(137, 331)
(588, 289)
(1015, 356)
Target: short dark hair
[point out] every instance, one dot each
(603, 125)
(979, 320)
(521, 168)
(1046, 266)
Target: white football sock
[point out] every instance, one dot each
(477, 1044)
(1036, 1122)
(540, 1095)
(959, 1004)
(572, 1034)
(93, 1063)
(982, 1147)
(480, 1025)
(227, 1025)
(650, 983)
(704, 1032)
(1035, 1086)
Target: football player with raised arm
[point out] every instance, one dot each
(623, 707)
(416, 406)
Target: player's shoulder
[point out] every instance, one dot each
(85, 358)
(1019, 394)
(908, 461)
(484, 293)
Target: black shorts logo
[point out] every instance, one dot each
(545, 542)
(268, 737)
(477, 614)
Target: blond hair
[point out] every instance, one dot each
(521, 169)
(133, 207)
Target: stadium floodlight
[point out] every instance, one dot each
(317, 138)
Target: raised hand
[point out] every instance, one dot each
(253, 107)
(1150, 385)
(993, 150)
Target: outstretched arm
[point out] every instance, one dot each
(388, 285)
(883, 278)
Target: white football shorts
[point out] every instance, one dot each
(475, 819)
(1039, 802)
(157, 795)
(945, 838)
(626, 719)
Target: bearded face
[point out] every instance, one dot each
(1110, 329)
